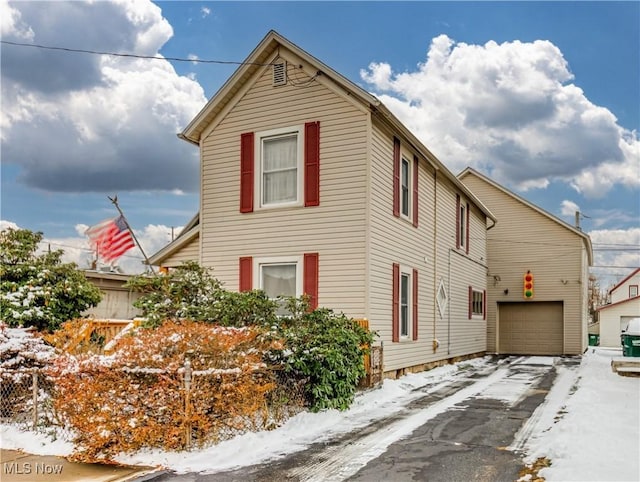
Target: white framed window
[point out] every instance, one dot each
(404, 300)
(477, 304)
(405, 304)
(279, 157)
(405, 188)
(633, 291)
(279, 276)
(462, 225)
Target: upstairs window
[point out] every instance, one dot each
(462, 235)
(462, 224)
(405, 189)
(280, 167)
(405, 185)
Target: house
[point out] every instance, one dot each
(624, 304)
(309, 184)
(527, 241)
(117, 300)
(185, 247)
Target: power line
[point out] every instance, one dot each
(136, 56)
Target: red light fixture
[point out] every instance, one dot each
(527, 286)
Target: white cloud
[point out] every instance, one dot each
(7, 225)
(205, 11)
(78, 250)
(11, 23)
(105, 123)
(569, 208)
(510, 110)
(616, 252)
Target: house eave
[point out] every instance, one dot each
(618, 303)
(174, 246)
(585, 237)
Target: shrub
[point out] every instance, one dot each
(327, 351)
(323, 350)
(38, 289)
(136, 398)
(191, 292)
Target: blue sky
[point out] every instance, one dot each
(560, 127)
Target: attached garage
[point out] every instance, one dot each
(531, 328)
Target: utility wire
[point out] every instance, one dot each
(136, 56)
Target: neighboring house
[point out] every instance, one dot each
(624, 304)
(554, 320)
(185, 247)
(309, 184)
(117, 301)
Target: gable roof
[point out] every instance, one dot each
(624, 280)
(585, 237)
(190, 231)
(259, 58)
(617, 303)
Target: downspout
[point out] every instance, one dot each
(435, 257)
(449, 303)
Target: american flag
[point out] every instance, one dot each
(111, 238)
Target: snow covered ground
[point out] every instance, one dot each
(588, 426)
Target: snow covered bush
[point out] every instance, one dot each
(21, 353)
(136, 397)
(191, 292)
(38, 289)
(324, 351)
(21, 350)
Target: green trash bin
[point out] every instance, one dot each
(594, 339)
(631, 339)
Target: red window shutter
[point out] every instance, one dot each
(395, 316)
(458, 221)
(312, 164)
(470, 302)
(466, 231)
(246, 274)
(415, 191)
(484, 304)
(310, 277)
(246, 172)
(396, 177)
(414, 300)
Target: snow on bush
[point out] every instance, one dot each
(21, 350)
(136, 398)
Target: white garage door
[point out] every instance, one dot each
(531, 328)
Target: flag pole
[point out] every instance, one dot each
(114, 200)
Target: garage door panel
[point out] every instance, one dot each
(531, 328)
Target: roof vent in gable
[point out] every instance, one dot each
(280, 73)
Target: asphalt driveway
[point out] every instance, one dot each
(457, 431)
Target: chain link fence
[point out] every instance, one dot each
(26, 401)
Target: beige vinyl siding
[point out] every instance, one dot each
(335, 229)
(522, 240)
(190, 252)
(460, 335)
(396, 240)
